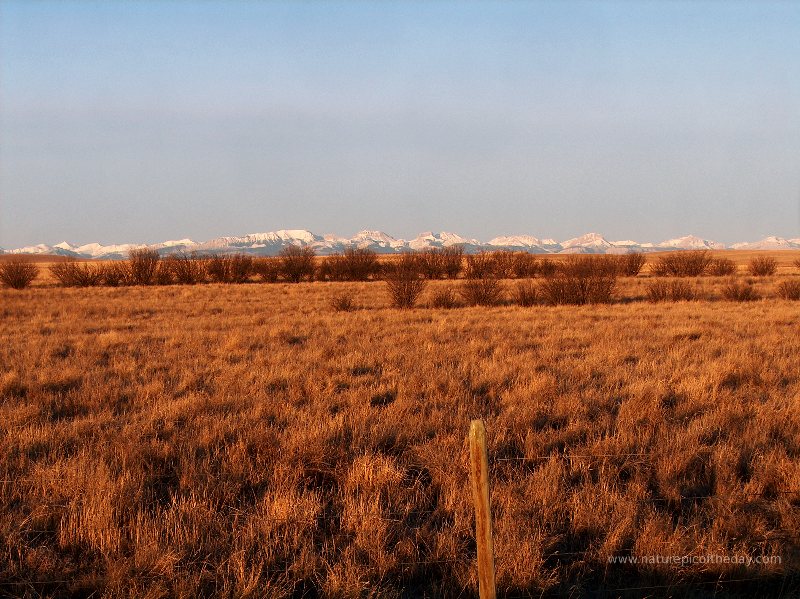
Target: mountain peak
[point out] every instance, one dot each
(522, 241)
(692, 242)
(769, 243)
(593, 241)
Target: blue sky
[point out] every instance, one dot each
(144, 121)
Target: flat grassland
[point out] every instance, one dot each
(248, 441)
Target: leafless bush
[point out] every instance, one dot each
(343, 302)
(482, 292)
(482, 265)
(297, 263)
(18, 273)
(547, 268)
(606, 264)
(186, 269)
(430, 263)
(676, 291)
(268, 269)
(115, 274)
(721, 267)
(71, 273)
(789, 290)
(526, 294)
(88, 274)
(740, 292)
(235, 268)
(216, 269)
(797, 263)
(143, 266)
(502, 264)
(64, 272)
(482, 286)
(441, 263)
(163, 274)
(524, 265)
(630, 265)
(762, 266)
(354, 264)
(683, 264)
(444, 298)
(240, 268)
(581, 280)
(405, 281)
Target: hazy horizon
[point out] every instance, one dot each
(147, 121)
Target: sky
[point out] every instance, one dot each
(146, 121)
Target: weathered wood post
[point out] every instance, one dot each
(479, 474)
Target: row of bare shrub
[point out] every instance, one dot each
(522, 265)
(449, 262)
(699, 262)
(733, 290)
(146, 267)
(578, 280)
(354, 264)
(143, 268)
(441, 263)
(562, 290)
(682, 264)
(295, 264)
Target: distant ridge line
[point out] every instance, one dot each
(271, 243)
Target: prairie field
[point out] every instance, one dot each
(250, 441)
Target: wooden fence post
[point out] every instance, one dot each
(479, 474)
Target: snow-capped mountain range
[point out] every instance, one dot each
(268, 244)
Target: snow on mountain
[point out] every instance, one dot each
(96, 250)
(292, 235)
(33, 249)
(691, 242)
(516, 240)
(377, 241)
(439, 240)
(525, 243)
(769, 243)
(43, 249)
(262, 243)
(271, 243)
(591, 243)
(174, 244)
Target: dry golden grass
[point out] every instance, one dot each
(250, 441)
